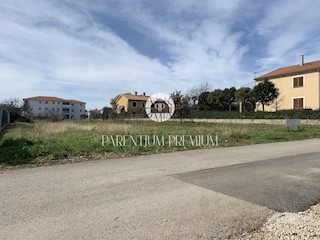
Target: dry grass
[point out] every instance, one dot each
(61, 127)
(229, 131)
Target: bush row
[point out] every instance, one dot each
(282, 114)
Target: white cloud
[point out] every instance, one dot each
(48, 58)
(290, 28)
(60, 48)
(201, 50)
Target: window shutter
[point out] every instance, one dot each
(301, 82)
(298, 82)
(298, 103)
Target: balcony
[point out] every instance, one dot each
(65, 111)
(66, 105)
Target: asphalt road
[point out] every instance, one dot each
(286, 184)
(204, 194)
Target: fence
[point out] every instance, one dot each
(4, 117)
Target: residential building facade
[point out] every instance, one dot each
(44, 106)
(132, 103)
(299, 86)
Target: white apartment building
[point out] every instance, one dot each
(43, 106)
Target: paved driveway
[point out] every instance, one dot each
(203, 194)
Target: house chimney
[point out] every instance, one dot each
(135, 93)
(301, 60)
(144, 94)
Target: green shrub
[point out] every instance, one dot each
(282, 114)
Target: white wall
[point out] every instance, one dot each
(77, 109)
(42, 108)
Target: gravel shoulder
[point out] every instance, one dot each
(301, 225)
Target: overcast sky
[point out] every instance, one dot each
(91, 50)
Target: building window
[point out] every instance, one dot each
(40, 102)
(298, 103)
(52, 102)
(298, 82)
(46, 109)
(134, 104)
(46, 102)
(52, 109)
(72, 110)
(80, 110)
(39, 108)
(58, 103)
(143, 104)
(81, 104)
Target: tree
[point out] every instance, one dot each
(181, 102)
(204, 87)
(105, 113)
(245, 98)
(228, 97)
(265, 93)
(193, 96)
(195, 92)
(214, 99)
(14, 106)
(113, 101)
(26, 111)
(203, 101)
(95, 114)
(278, 102)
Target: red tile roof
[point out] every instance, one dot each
(136, 97)
(47, 98)
(292, 70)
(73, 101)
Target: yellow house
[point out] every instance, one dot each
(132, 103)
(299, 86)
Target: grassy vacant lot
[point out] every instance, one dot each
(47, 142)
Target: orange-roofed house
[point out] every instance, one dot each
(45, 106)
(299, 86)
(132, 103)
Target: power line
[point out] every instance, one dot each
(247, 84)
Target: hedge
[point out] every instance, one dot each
(282, 114)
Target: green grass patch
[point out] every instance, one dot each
(42, 142)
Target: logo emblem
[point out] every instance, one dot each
(160, 107)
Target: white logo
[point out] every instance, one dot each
(160, 107)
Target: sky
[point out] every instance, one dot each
(92, 50)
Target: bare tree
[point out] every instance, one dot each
(195, 92)
(181, 102)
(278, 102)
